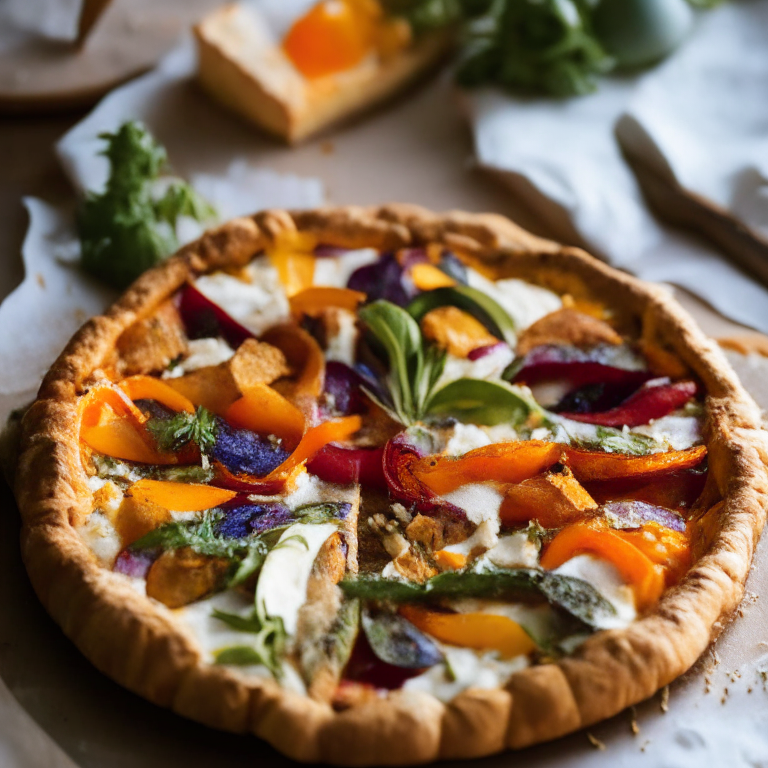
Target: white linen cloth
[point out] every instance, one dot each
(703, 112)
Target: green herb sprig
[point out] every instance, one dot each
(267, 645)
(173, 434)
(127, 228)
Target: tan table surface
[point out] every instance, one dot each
(57, 686)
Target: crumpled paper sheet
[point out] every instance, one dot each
(703, 112)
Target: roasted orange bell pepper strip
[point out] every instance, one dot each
(150, 388)
(447, 560)
(112, 425)
(594, 465)
(293, 258)
(303, 354)
(180, 497)
(515, 462)
(312, 301)
(427, 277)
(644, 576)
(665, 547)
(314, 439)
(482, 631)
(502, 462)
(264, 410)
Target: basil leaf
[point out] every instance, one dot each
(414, 366)
(376, 588)
(485, 402)
(579, 598)
(517, 584)
(481, 306)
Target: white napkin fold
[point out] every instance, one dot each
(52, 19)
(703, 112)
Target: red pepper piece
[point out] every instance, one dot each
(350, 465)
(651, 401)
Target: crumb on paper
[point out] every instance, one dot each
(80, 315)
(707, 685)
(664, 704)
(633, 726)
(40, 280)
(725, 696)
(644, 745)
(595, 742)
(715, 657)
(327, 147)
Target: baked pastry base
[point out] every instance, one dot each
(137, 642)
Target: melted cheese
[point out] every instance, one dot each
(606, 579)
(465, 668)
(256, 303)
(480, 501)
(335, 271)
(202, 353)
(489, 367)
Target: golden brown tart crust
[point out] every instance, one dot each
(137, 642)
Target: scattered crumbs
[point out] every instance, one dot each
(40, 280)
(327, 147)
(707, 685)
(665, 699)
(633, 726)
(725, 696)
(644, 745)
(715, 657)
(595, 742)
(749, 690)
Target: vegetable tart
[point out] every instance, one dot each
(382, 486)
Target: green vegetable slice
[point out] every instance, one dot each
(485, 402)
(574, 596)
(481, 306)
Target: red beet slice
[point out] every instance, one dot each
(202, 318)
(651, 401)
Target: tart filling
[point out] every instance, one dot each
(357, 471)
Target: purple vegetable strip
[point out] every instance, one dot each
(635, 514)
(202, 318)
(134, 563)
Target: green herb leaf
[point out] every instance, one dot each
(326, 512)
(576, 597)
(414, 366)
(123, 230)
(478, 304)
(613, 440)
(267, 646)
(174, 433)
(486, 402)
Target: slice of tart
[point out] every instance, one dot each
(341, 58)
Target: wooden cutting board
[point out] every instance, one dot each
(43, 76)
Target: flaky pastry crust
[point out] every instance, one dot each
(136, 641)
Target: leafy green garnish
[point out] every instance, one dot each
(414, 366)
(247, 555)
(173, 434)
(613, 440)
(126, 229)
(486, 402)
(325, 512)
(266, 647)
(578, 598)
(487, 310)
